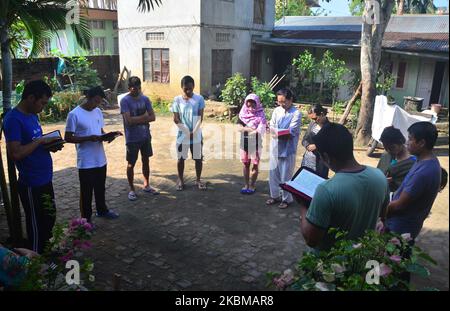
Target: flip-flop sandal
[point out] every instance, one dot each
(251, 191)
(244, 191)
(201, 186)
(272, 201)
(283, 205)
(180, 187)
(151, 190)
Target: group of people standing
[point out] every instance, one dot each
(354, 199)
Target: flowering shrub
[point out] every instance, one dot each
(48, 271)
(374, 262)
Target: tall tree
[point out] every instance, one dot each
(292, 8)
(377, 15)
(39, 19)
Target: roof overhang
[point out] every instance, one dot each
(280, 42)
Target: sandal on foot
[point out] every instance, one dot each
(272, 201)
(283, 205)
(151, 190)
(132, 196)
(244, 191)
(251, 191)
(201, 186)
(180, 187)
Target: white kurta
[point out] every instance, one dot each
(283, 151)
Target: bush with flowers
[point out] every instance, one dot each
(348, 264)
(48, 271)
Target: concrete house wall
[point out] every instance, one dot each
(190, 28)
(235, 18)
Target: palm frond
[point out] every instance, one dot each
(148, 5)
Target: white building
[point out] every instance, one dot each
(207, 39)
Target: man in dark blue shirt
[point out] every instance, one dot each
(26, 147)
(412, 202)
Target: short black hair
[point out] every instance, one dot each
(95, 91)
(186, 80)
(335, 140)
(392, 135)
(134, 81)
(426, 131)
(38, 89)
(318, 110)
(287, 93)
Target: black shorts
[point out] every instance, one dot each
(196, 150)
(144, 147)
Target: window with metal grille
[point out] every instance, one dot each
(103, 4)
(98, 45)
(116, 46)
(154, 36)
(221, 67)
(156, 65)
(259, 9)
(223, 37)
(96, 24)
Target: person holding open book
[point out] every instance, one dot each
(252, 125)
(352, 200)
(30, 150)
(311, 158)
(285, 127)
(84, 128)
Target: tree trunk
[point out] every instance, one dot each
(400, 7)
(371, 50)
(350, 104)
(15, 216)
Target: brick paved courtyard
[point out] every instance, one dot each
(195, 240)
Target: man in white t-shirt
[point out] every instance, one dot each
(85, 129)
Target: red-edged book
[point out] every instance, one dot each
(303, 184)
(281, 132)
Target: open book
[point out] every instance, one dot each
(57, 142)
(303, 184)
(110, 135)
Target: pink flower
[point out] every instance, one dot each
(76, 243)
(86, 245)
(88, 227)
(395, 258)
(385, 270)
(396, 241)
(67, 257)
(380, 227)
(407, 237)
(284, 280)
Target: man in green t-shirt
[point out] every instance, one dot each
(352, 200)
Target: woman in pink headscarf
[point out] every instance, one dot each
(252, 125)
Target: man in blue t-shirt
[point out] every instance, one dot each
(137, 113)
(412, 202)
(26, 147)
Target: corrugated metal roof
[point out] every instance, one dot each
(415, 33)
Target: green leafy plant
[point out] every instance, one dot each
(318, 79)
(59, 106)
(235, 90)
(264, 91)
(349, 264)
(78, 69)
(160, 106)
(47, 272)
(53, 83)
